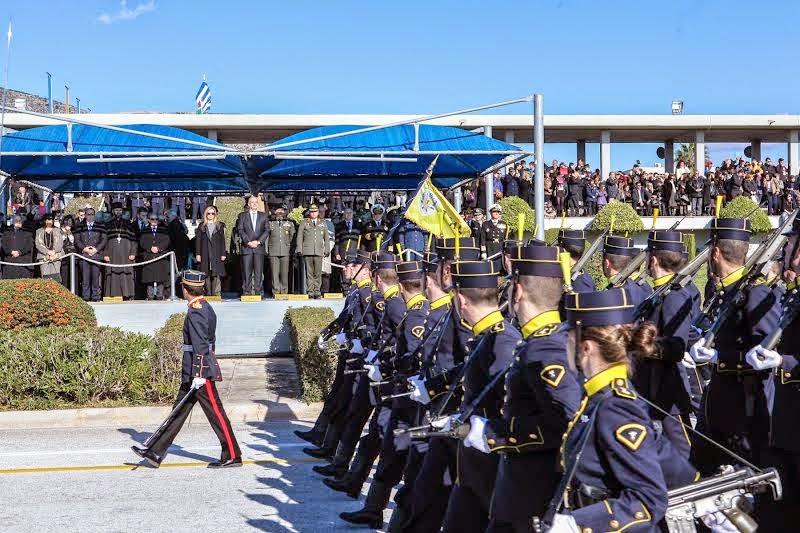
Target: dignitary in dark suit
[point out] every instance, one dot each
(17, 248)
(209, 250)
(90, 240)
(312, 245)
(153, 242)
(279, 250)
(253, 232)
(347, 232)
(121, 247)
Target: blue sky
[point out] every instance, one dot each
(586, 57)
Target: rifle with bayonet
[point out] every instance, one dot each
(625, 273)
(681, 279)
(789, 312)
(587, 255)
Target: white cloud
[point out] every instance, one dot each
(126, 13)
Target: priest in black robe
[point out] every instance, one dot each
(120, 250)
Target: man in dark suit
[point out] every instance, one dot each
(90, 240)
(347, 233)
(640, 198)
(253, 229)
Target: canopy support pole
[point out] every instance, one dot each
(416, 136)
(72, 284)
(538, 173)
(172, 295)
(69, 137)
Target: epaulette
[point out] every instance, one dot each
(621, 389)
(549, 329)
(197, 305)
(380, 306)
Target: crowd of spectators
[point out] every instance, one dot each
(580, 191)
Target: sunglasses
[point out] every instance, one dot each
(211, 215)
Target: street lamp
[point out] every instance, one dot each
(677, 107)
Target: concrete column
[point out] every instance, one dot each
(794, 163)
(605, 154)
(699, 151)
(510, 137)
(212, 134)
(669, 157)
(489, 179)
(581, 149)
(458, 197)
(755, 149)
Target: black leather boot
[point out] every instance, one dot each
(316, 434)
(328, 447)
(372, 513)
(354, 479)
(399, 518)
(339, 465)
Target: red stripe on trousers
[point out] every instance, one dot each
(214, 406)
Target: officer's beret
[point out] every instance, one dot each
(571, 237)
(603, 308)
(193, 278)
(619, 246)
(669, 241)
(474, 274)
(409, 270)
(384, 260)
(468, 249)
(737, 229)
(536, 261)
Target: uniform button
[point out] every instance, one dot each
(512, 440)
(533, 436)
(787, 374)
(586, 530)
(502, 412)
(722, 365)
(447, 387)
(516, 358)
(638, 515)
(739, 366)
(614, 524)
(490, 442)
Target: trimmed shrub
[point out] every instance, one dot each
(689, 241)
(512, 207)
(34, 303)
(740, 206)
(79, 367)
(296, 215)
(166, 359)
(77, 203)
(315, 368)
(626, 220)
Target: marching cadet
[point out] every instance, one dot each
(735, 411)
(394, 450)
(279, 250)
(391, 308)
(312, 245)
(199, 373)
(782, 450)
(574, 241)
(662, 378)
(375, 229)
(610, 454)
(495, 339)
(492, 234)
(542, 395)
(618, 252)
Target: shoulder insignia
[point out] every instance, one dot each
(417, 306)
(621, 389)
(552, 374)
(418, 331)
(544, 331)
(380, 306)
(500, 326)
(368, 299)
(631, 435)
(197, 305)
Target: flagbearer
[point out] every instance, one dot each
(198, 377)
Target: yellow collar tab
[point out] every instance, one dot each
(493, 318)
(635, 275)
(414, 300)
(791, 285)
(663, 280)
(391, 292)
(605, 378)
(731, 278)
(539, 321)
(439, 302)
(363, 283)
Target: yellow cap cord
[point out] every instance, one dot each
(655, 217)
(718, 207)
(520, 226)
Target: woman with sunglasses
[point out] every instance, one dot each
(209, 246)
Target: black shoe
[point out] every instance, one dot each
(319, 453)
(370, 519)
(230, 463)
(313, 436)
(332, 470)
(152, 459)
(343, 485)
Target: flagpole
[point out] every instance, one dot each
(3, 179)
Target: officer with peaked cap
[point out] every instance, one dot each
(312, 244)
(492, 234)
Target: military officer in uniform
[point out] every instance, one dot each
(279, 245)
(312, 245)
(618, 252)
(574, 242)
(492, 234)
(374, 228)
(199, 375)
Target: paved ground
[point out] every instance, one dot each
(77, 480)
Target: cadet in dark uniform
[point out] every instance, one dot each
(618, 252)
(542, 394)
(492, 234)
(279, 246)
(617, 483)
(198, 377)
(493, 351)
(374, 228)
(735, 411)
(574, 242)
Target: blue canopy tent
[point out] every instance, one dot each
(391, 158)
(133, 158)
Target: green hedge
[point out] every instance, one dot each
(315, 368)
(626, 220)
(77, 203)
(512, 207)
(741, 206)
(31, 303)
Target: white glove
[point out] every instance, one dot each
(475, 438)
(198, 382)
(697, 331)
(688, 362)
(374, 372)
(341, 339)
(357, 348)
(443, 423)
(321, 343)
(719, 523)
(371, 355)
(701, 354)
(483, 256)
(420, 392)
(563, 523)
(762, 359)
